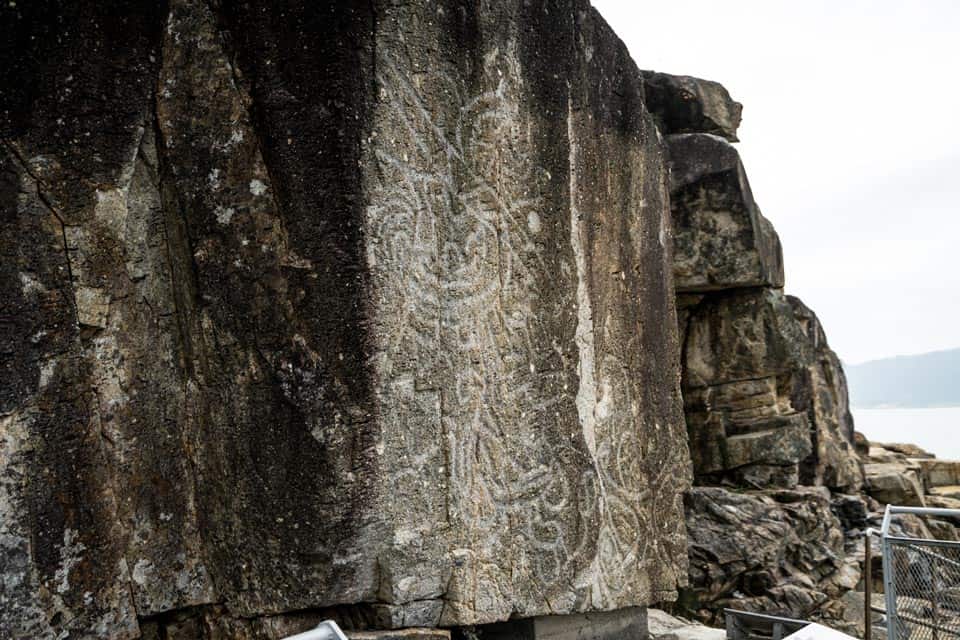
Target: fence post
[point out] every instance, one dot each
(868, 589)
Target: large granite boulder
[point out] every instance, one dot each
(368, 306)
(721, 240)
(891, 477)
(684, 104)
(894, 483)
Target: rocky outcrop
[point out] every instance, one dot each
(410, 315)
(721, 240)
(773, 551)
(765, 398)
(683, 104)
(367, 308)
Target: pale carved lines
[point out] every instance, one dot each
(449, 223)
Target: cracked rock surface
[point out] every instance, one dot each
(364, 310)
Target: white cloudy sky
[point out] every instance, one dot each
(851, 139)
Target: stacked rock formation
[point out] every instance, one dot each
(765, 399)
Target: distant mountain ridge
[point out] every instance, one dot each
(923, 380)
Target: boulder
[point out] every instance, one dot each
(721, 240)
(894, 483)
(938, 473)
(368, 306)
(943, 502)
(942, 530)
(684, 104)
(663, 626)
(906, 449)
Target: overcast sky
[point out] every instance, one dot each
(851, 140)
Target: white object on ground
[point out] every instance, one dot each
(326, 630)
(814, 631)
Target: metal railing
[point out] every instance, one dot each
(921, 581)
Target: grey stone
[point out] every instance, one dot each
(894, 483)
(663, 626)
(683, 104)
(721, 240)
(775, 551)
(299, 325)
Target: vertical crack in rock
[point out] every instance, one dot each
(38, 186)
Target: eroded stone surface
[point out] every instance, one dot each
(742, 354)
(721, 240)
(314, 308)
(684, 104)
(776, 552)
(834, 461)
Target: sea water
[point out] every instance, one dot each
(936, 430)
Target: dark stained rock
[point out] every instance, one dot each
(683, 104)
(777, 552)
(365, 306)
(721, 240)
(622, 624)
(851, 510)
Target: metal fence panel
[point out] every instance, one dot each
(921, 582)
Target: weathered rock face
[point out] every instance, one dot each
(369, 305)
(822, 391)
(767, 551)
(740, 355)
(683, 104)
(721, 240)
(765, 396)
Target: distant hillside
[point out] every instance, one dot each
(925, 380)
